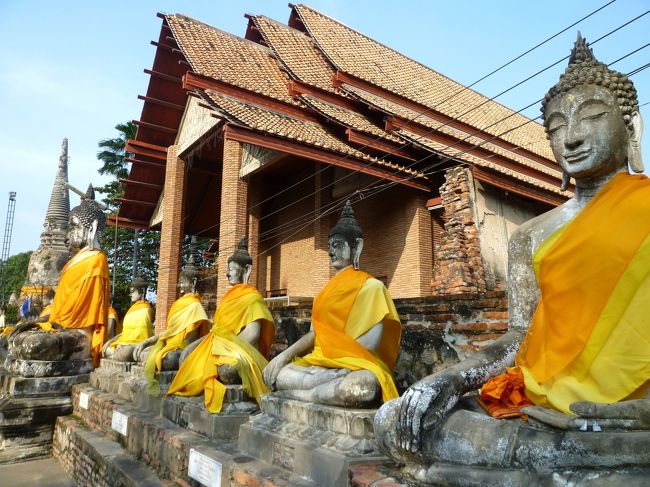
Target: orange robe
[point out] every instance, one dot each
(349, 305)
(589, 339)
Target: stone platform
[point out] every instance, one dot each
(29, 407)
(314, 441)
(93, 453)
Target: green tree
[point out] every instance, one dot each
(14, 275)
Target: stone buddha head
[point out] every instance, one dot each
(188, 277)
(138, 289)
(592, 119)
(345, 240)
(240, 264)
(86, 221)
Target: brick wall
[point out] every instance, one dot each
(437, 331)
(397, 240)
(459, 267)
(171, 236)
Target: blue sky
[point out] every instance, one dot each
(74, 68)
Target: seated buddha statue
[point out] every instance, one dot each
(576, 357)
(236, 349)
(77, 320)
(347, 357)
(136, 326)
(186, 321)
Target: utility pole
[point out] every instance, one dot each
(6, 242)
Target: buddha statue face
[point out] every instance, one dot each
(587, 132)
(136, 294)
(79, 235)
(235, 273)
(339, 251)
(186, 284)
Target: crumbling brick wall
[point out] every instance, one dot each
(458, 265)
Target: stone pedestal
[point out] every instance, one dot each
(190, 413)
(313, 441)
(29, 407)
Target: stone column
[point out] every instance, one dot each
(233, 217)
(171, 236)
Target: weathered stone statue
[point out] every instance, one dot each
(46, 303)
(579, 329)
(78, 316)
(113, 323)
(347, 357)
(136, 326)
(236, 347)
(186, 321)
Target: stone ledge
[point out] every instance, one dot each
(164, 446)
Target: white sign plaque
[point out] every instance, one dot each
(120, 422)
(84, 397)
(204, 469)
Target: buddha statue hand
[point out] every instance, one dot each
(273, 368)
(592, 416)
(424, 405)
(137, 351)
(21, 328)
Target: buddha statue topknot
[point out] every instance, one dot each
(576, 357)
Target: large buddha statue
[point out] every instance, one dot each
(77, 320)
(577, 352)
(236, 349)
(186, 321)
(136, 326)
(347, 357)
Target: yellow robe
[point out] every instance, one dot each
(185, 316)
(589, 339)
(45, 311)
(241, 305)
(349, 305)
(82, 297)
(136, 326)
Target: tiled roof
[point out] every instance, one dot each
(285, 126)
(298, 53)
(225, 57)
(456, 154)
(393, 108)
(367, 59)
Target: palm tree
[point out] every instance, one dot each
(112, 151)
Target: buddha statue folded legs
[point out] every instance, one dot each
(576, 357)
(78, 317)
(347, 357)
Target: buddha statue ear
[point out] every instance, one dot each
(356, 253)
(92, 234)
(634, 158)
(246, 274)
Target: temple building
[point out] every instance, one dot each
(267, 135)
(45, 264)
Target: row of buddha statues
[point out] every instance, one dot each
(576, 355)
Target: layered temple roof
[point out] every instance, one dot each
(320, 90)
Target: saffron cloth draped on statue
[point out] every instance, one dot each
(82, 298)
(349, 305)
(136, 326)
(589, 339)
(185, 316)
(241, 305)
